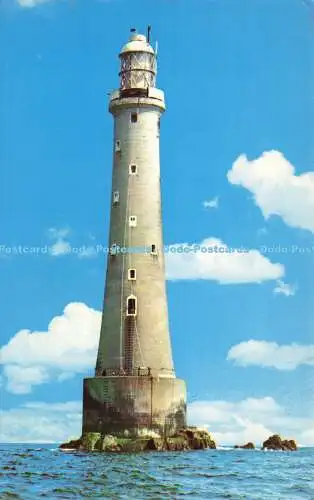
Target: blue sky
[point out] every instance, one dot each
(237, 169)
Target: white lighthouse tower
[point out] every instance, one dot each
(135, 385)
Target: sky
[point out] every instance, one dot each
(237, 173)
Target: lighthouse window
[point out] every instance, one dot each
(132, 221)
(118, 146)
(154, 249)
(116, 197)
(133, 117)
(132, 274)
(133, 169)
(131, 306)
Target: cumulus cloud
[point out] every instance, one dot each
(21, 379)
(214, 260)
(276, 188)
(68, 406)
(68, 347)
(55, 422)
(283, 288)
(211, 203)
(271, 355)
(229, 422)
(251, 419)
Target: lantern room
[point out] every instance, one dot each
(138, 65)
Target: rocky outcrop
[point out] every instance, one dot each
(247, 446)
(91, 441)
(196, 438)
(74, 444)
(276, 443)
(190, 438)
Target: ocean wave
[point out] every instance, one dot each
(232, 448)
(155, 476)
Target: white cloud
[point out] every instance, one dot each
(219, 263)
(21, 378)
(65, 376)
(276, 189)
(68, 346)
(284, 289)
(55, 422)
(211, 203)
(68, 406)
(229, 422)
(61, 245)
(251, 419)
(272, 355)
(32, 3)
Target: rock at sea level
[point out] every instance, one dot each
(190, 438)
(74, 444)
(247, 446)
(276, 443)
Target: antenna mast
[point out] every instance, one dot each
(149, 29)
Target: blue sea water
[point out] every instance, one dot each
(43, 471)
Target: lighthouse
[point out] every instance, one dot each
(135, 390)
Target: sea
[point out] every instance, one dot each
(43, 471)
